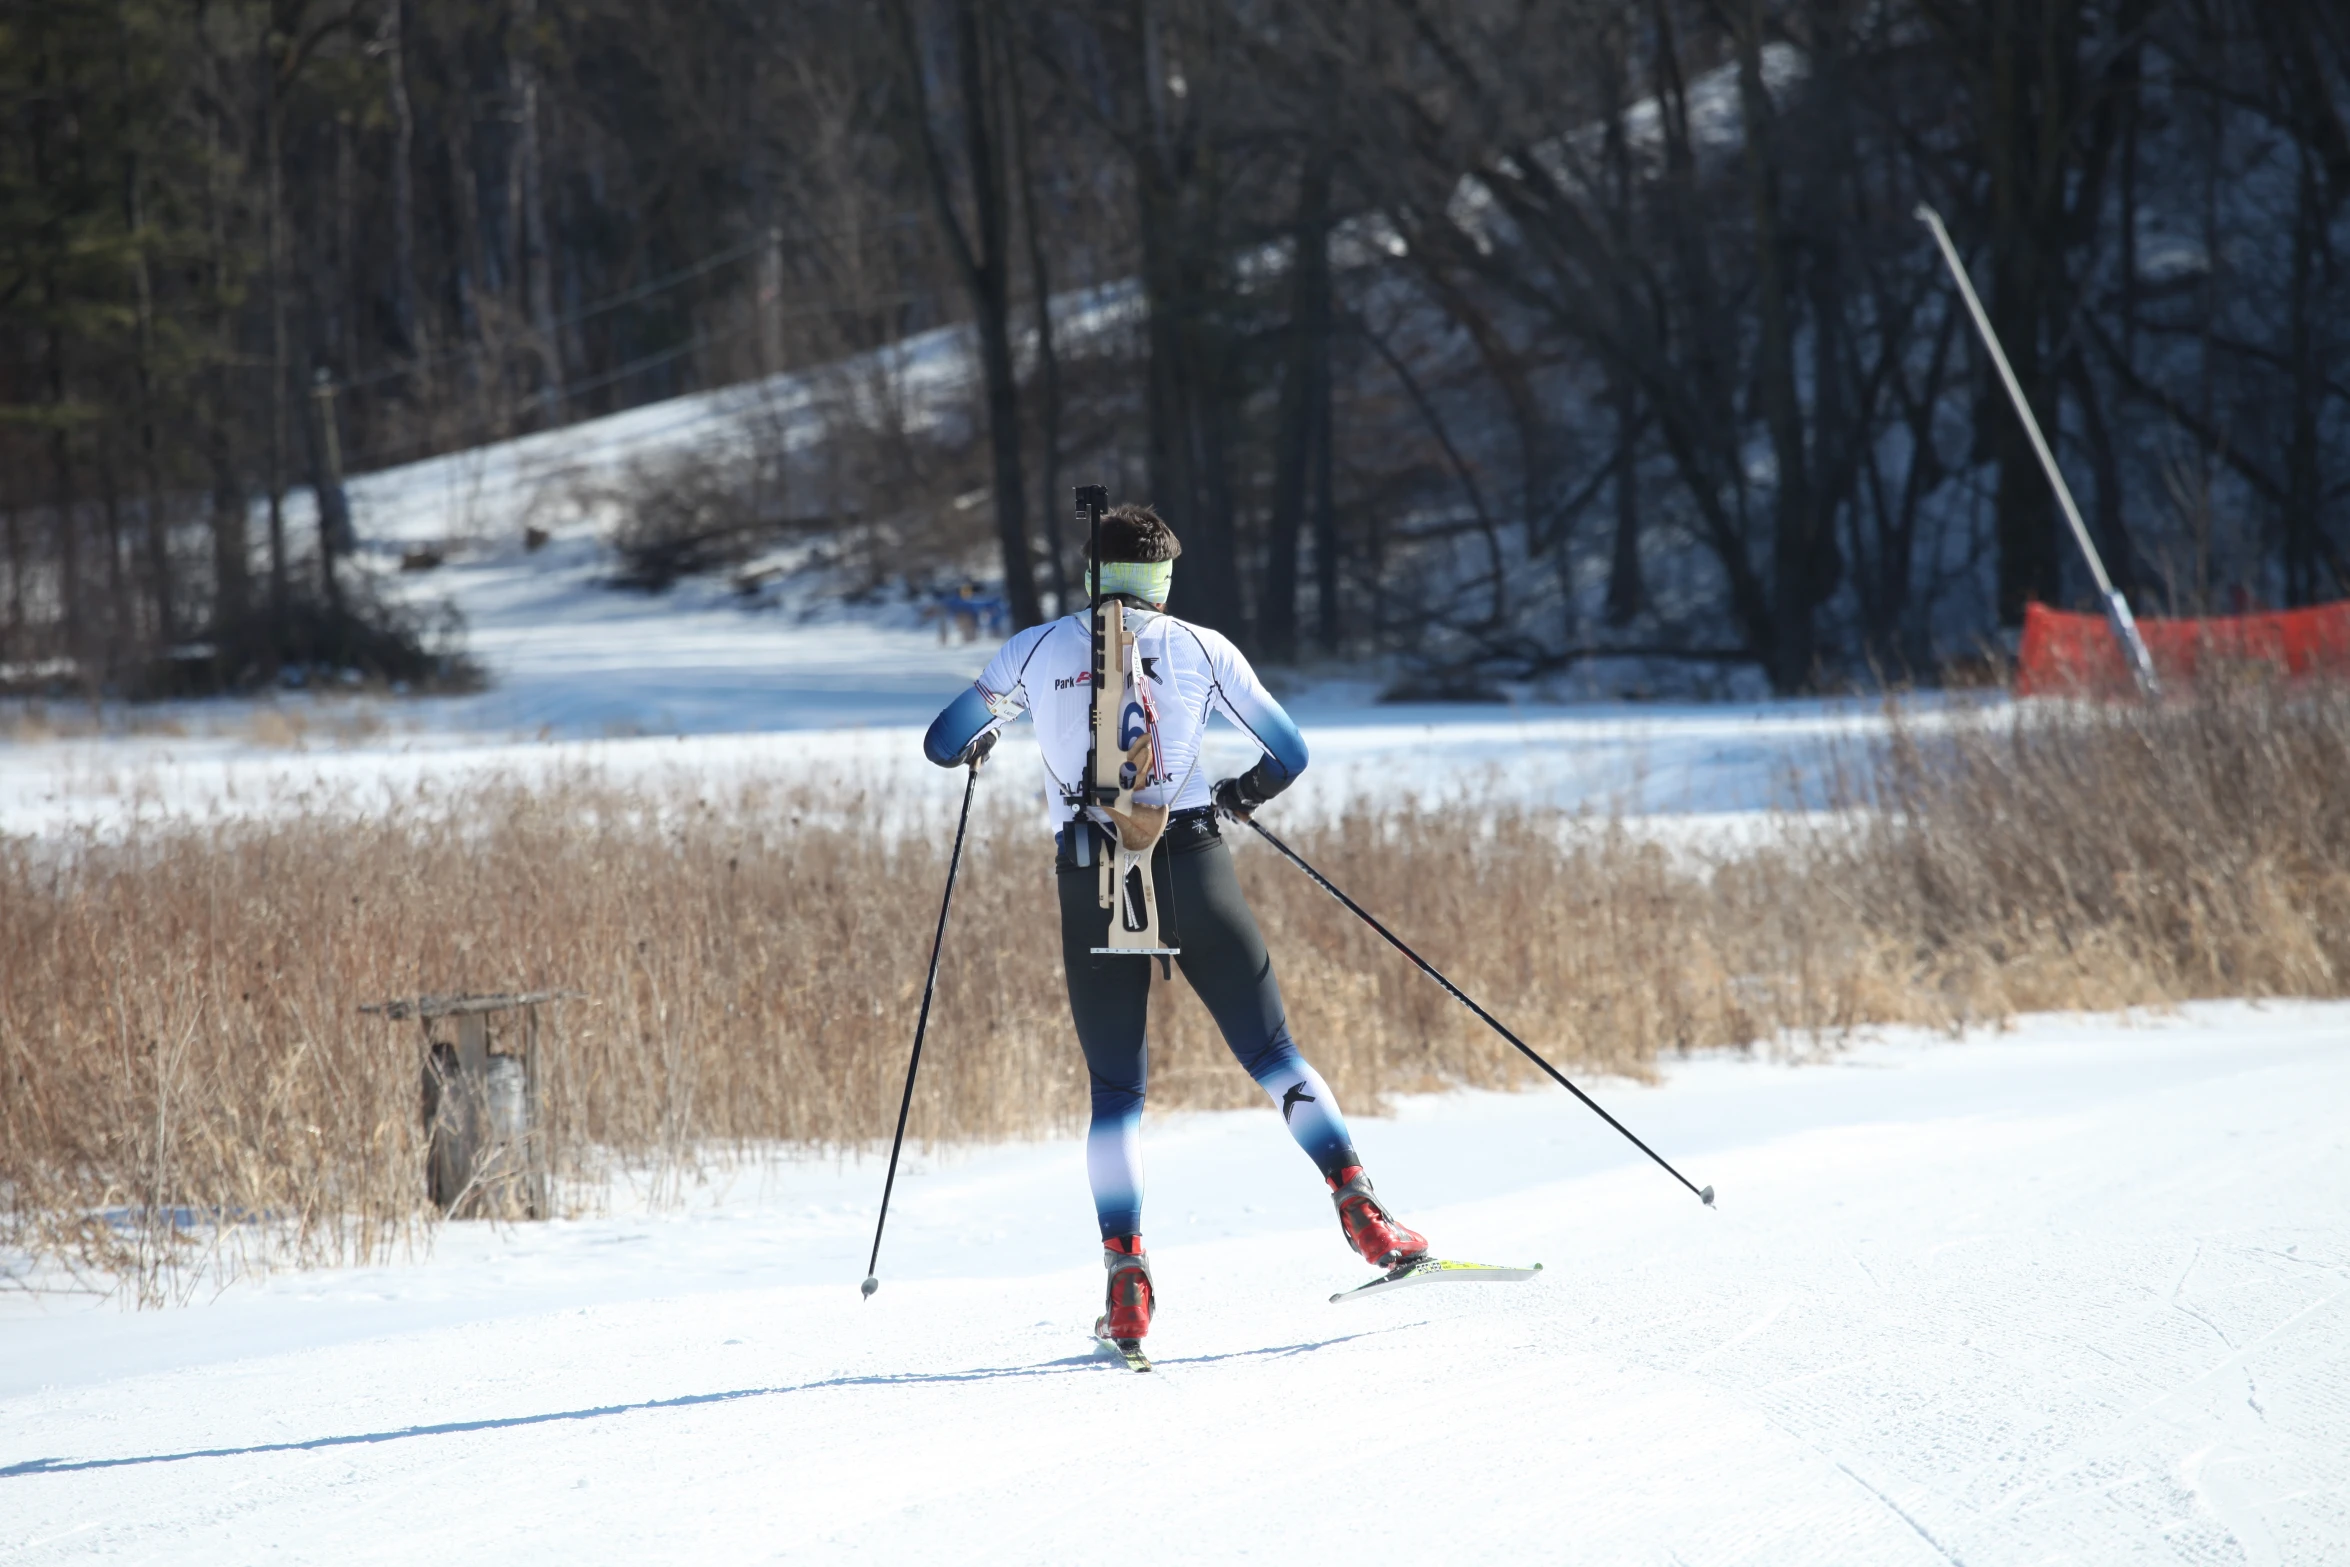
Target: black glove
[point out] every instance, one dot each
(976, 752)
(1234, 797)
(1229, 802)
(1239, 797)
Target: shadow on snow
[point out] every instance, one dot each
(1072, 1365)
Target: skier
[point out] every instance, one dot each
(1183, 672)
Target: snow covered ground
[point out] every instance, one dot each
(2079, 1292)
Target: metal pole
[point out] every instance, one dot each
(1704, 1194)
(2117, 609)
(930, 985)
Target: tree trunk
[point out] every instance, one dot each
(274, 275)
(992, 294)
(2027, 123)
(348, 330)
(69, 534)
(1182, 263)
(1048, 358)
(407, 313)
(334, 506)
(155, 534)
(1327, 628)
(469, 263)
(537, 276)
(1186, 365)
(1626, 592)
(2108, 521)
(232, 549)
(984, 261)
(1304, 392)
(45, 161)
(2304, 490)
(1798, 534)
(16, 554)
(119, 620)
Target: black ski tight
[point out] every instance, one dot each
(1223, 959)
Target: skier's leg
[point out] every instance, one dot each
(1109, 1000)
(1225, 961)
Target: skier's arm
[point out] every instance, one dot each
(1242, 697)
(962, 723)
(994, 700)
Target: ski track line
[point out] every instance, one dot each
(1759, 1325)
(2072, 1458)
(1898, 1510)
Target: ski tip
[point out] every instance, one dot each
(869, 1286)
(1335, 1299)
(1707, 1197)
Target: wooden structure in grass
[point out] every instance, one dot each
(486, 1154)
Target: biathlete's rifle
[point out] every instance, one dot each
(1118, 760)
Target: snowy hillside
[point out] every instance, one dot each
(2077, 1293)
(582, 674)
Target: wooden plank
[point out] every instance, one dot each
(537, 1152)
(461, 1006)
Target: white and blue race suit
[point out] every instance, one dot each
(1186, 673)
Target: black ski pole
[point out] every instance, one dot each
(937, 942)
(1704, 1194)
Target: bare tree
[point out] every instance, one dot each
(982, 253)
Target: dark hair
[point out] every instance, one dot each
(1136, 533)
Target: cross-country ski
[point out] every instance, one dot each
(1435, 1270)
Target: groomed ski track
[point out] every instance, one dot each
(2079, 1292)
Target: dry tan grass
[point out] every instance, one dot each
(178, 1024)
(31, 721)
(295, 725)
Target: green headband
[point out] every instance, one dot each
(1147, 580)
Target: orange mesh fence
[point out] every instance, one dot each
(2068, 654)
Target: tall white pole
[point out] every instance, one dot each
(2117, 609)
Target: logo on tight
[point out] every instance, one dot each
(1290, 1101)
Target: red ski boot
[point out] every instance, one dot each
(1132, 1295)
(1371, 1230)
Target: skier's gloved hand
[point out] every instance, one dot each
(1234, 799)
(976, 752)
(1239, 797)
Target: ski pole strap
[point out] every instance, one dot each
(1704, 1194)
